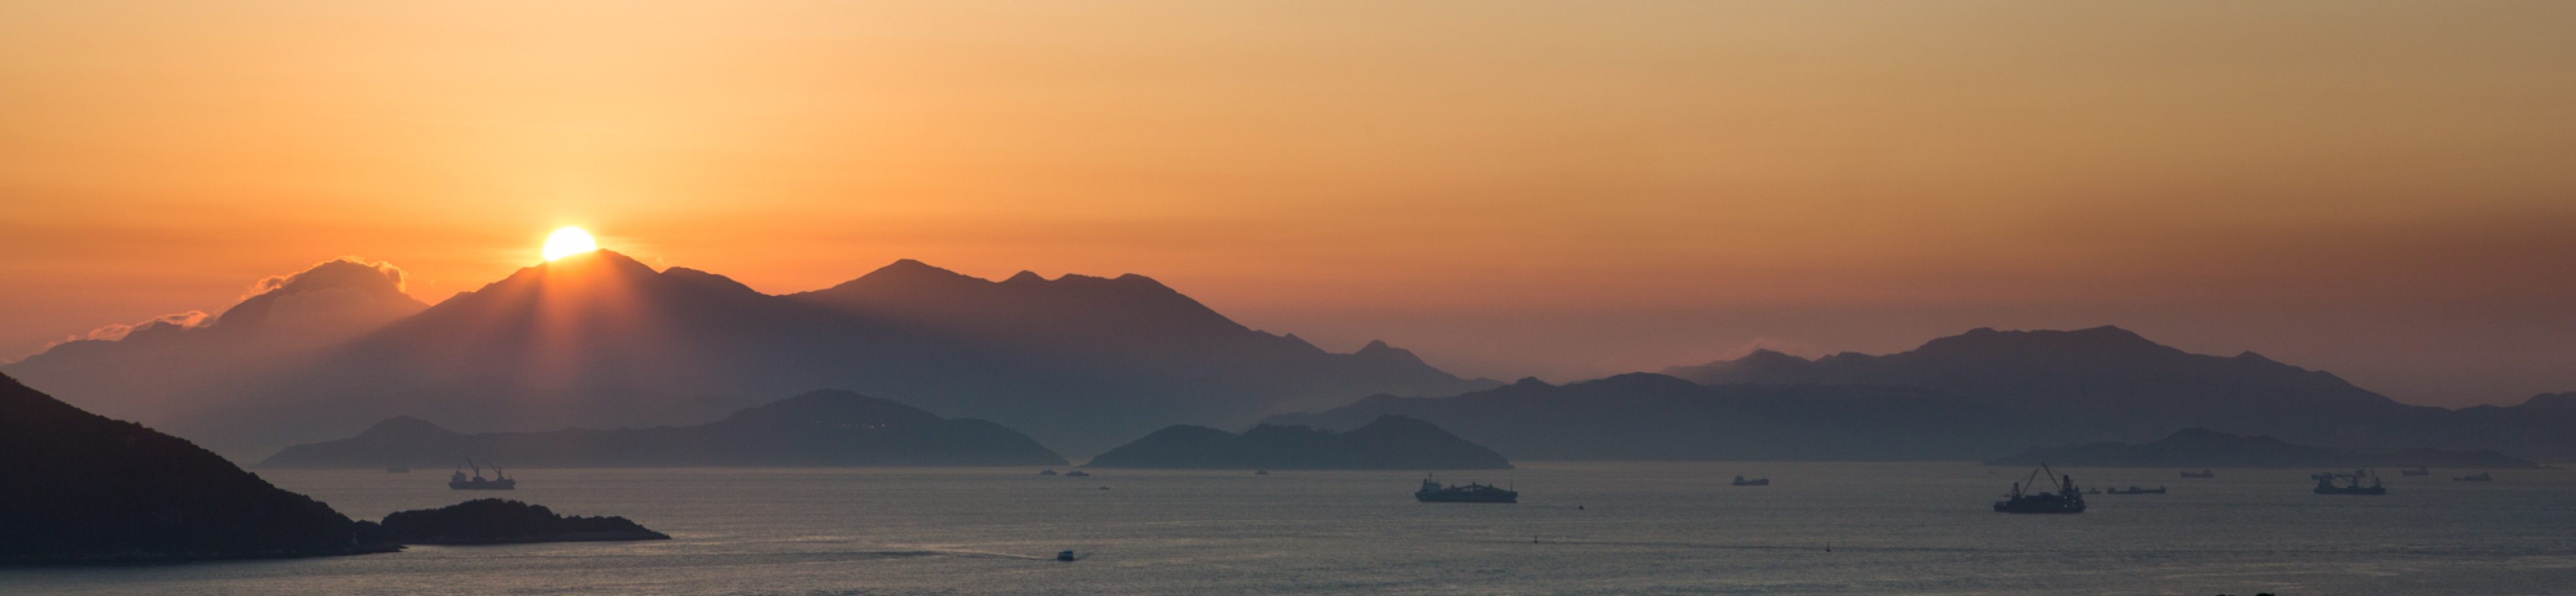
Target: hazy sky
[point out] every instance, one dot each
(1569, 189)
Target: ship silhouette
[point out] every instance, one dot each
(2326, 484)
(499, 481)
(2066, 500)
(1433, 492)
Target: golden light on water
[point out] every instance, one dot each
(569, 241)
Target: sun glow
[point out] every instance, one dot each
(569, 241)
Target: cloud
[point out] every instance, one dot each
(119, 331)
(339, 266)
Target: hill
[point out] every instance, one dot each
(819, 428)
(1645, 416)
(85, 488)
(1388, 443)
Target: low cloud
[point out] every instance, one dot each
(119, 331)
(384, 268)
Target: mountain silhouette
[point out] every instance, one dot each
(1646, 417)
(85, 488)
(144, 374)
(819, 429)
(2104, 377)
(1387, 443)
(601, 340)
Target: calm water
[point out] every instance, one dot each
(1642, 528)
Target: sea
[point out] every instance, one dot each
(1579, 528)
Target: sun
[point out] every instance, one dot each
(569, 241)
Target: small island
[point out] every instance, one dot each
(496, 521)
(1388, 443)
(2204, 448)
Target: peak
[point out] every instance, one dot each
(1378, 350)
(903, 269)
(1530, 382)
(833, 407)
(602, 258)
(2097, 338)
(1025, 276)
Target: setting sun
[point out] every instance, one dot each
(569, 241)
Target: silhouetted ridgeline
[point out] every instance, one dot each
(601, 341)
(2203, 448)
(819, 428)
(1388, 443)
(79, 487)
(495, 521)
(2116, 385)
(1644, 416)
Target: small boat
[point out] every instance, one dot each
(2203, 473)
(1047, 472)
(499, 481)
(2326, 486)
(1433, 492)
(2093, 491)
(1076, 474)
(2065, 500)
(2478, 477)
(1742, 481)
(2135, 490)
(1260, 472)
(1065, 556)
(2418, 471)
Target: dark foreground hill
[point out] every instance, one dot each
(1388, 443)
(78, 487)
(1644, 416)
(820, 428)
(2204, 448)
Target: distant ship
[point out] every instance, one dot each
(2356, 474)
(2326, 485)
(1742, 481)
(1076, 474)
(500, 481)
(2419, 471)
(2066, 500)
(1047, 472)
(2134, 490)
(2478, 477)
(1433, 492)
(2203, 473)
(1260, 472)
(1065, 556)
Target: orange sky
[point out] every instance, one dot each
(2386, 190)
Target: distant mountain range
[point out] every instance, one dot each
(1961, 397)
(2204, 448)
(83, 488)
(1387, 443)
(601, 340)
(816, 429)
